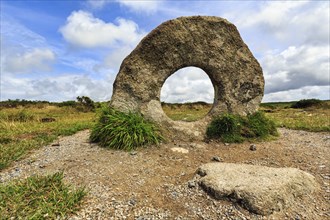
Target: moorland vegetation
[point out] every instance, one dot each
(22, 130)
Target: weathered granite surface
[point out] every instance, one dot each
(210, 43)
(260, 189)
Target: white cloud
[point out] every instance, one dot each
(16, 35)
(113, 60)
(141, 6)
(273, 14)
(308, 92)
(138, 6)
(291, 39)
(290, 22)
(188, 84)
(23, 50)
(82, 29)
(60, 88)
(97, 4)
(296, 67)
(37, 59)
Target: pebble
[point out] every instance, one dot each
(216, 158)
(199, 146)
(253, 147)
(132, 202)
(191, 184)
(179, 150)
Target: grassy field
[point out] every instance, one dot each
(308, 119)
(23, 129)
(186, 112)
(316, 118)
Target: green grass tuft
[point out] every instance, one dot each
(235, 129)
(39, 197)
(125, 131)
(260, 126)
(226, 126)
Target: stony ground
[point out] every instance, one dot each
(158, 183)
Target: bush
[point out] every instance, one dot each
(21, 116)
(227, 127)
(306, 103)
(260, 126)
(67, 103)
(234, 128)
(125, 131)
(85, 104)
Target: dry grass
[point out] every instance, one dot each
(21, 129)
(186, 112)
(310, 119)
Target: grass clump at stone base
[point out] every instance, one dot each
(232, 128)
(125, 131)
(39, 197)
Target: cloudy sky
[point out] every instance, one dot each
(58, 50)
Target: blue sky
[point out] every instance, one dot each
(58, 50)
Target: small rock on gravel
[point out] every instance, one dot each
(216, 159)
(133, 153)
(179, 150)
(191, 184)
(253, 147)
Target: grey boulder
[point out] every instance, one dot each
(260, 189)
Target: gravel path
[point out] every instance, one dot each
(158, 183)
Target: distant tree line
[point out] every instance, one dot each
(306, 103)
(82, 103)
(14, 103)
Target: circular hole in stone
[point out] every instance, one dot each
(187, 95)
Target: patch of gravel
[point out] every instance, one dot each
(158, 183)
